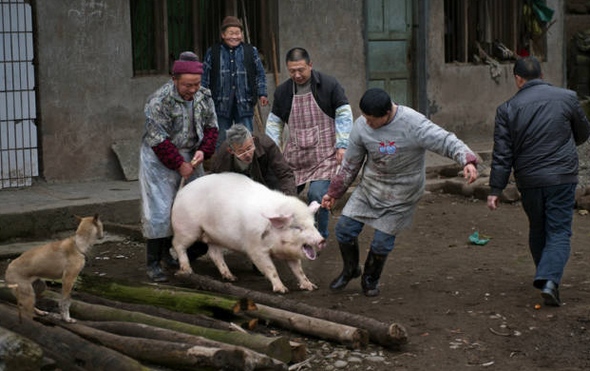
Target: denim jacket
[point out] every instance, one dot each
(243, 94)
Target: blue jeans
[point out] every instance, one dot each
(347, 229)
(550, 212)
(225, 123)
(317, 189)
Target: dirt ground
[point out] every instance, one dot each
(464, 306)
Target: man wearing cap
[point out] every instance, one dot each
(234, 72)
(180, 133)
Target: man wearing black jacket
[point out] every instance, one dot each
(536, 134)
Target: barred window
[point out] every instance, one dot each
(161, 29)
(479, 30)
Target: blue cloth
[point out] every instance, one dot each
(317, 189)
(232, 82)
(347, 229)
(550, 213)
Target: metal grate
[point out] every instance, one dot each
(19, 161)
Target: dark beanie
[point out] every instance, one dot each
(188, 62)
(231, 21)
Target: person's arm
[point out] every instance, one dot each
(343, 122)
(580, 124)
(206, 76)
(351, 165)
(279, 167)
(157, 125)
(210, 128)
(502, 156)
(260, 79)
(274, 129)
(434, 138)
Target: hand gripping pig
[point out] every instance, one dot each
(230, 210)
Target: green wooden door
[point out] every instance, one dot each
(389, 41)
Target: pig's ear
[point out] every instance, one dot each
(280, 221)
(314, 207)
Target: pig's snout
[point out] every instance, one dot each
(322, 244)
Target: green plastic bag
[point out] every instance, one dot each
(476, 240)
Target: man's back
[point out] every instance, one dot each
(541, 124)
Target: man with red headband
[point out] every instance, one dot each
(180, 133)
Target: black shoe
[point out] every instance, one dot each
(351, 269)
(155, 273)
(154, 248)
(550, 294)
(373, 268)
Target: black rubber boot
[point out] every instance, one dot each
(167, 258)
(373, 268)
(153, 255)
(351, 269)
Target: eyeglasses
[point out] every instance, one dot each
(242, 152)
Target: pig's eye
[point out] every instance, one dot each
(296, 227)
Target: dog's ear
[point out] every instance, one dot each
(96, 218)
(78, 218)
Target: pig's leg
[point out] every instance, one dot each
(216, 255)
(180, 245)
(265, 265)
(304, 282)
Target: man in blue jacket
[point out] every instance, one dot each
(234, 73)
(536, 134)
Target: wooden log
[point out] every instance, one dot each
(216, 306)
(178, 298)
(193, 319)
(18, 352)
(172, 354)
(349, 336)
(276, 347)
(69, 351)
(253, 360)
(392, 335)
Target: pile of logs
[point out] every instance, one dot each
(134, 327)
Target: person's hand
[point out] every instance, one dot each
(263, 101)
(186, 170)
(492, 202)
(328, 202)
(198, 158)
(470, 173)
(340, 154)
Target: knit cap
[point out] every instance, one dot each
(188, 62)
(231, 21)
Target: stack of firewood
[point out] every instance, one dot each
(133, 327)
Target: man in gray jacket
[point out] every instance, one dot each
(535, 135)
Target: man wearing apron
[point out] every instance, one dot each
(180, 133)
(319, 120)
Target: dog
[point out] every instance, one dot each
(63, 260)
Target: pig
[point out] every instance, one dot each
(230, 210)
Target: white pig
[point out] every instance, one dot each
(230, 210)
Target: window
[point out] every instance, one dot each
(161, 29)
(479, 30)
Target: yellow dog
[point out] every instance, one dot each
(56, 260)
